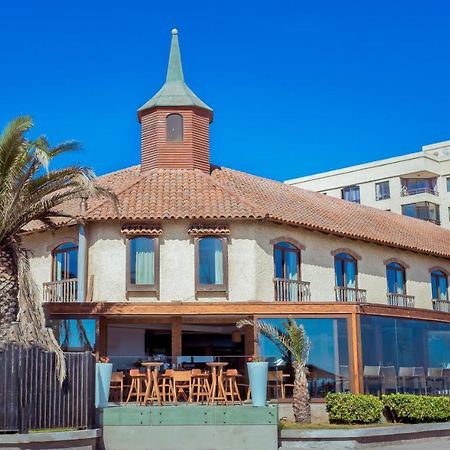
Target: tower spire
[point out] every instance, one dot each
(175, 67)
(174, 92)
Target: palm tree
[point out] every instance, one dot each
(29, 192)
(292, 342)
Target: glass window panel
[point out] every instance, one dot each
(174, 128)
(75, 334)
(65, 262)
(439, 285)
(395, 279)
(448, 184)
(142, 261)
(292, 265)
(279, 272)
(351, 194)
(399, 345)
(328, 360)
(210, 261)
(382, 190)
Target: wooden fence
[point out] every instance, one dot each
(31, 396)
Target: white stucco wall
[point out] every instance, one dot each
(250, 263)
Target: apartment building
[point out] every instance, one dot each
(415, 185)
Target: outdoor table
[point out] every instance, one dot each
(217, 389)
(152, 382)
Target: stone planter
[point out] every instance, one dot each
(257, 374)
(103, 373)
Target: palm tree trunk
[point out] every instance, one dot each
(300, 400)
(9, 289)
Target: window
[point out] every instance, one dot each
(287, 261)
(423, 210)
(439, 285)
(65, 262)
(75, 335)
(211, 263)
(382, 191)
(142, 263)
(396, 279)
(328, 362)
(351, 194)
(345, 270)
(174, 128)
(389, 344)
(448, 184)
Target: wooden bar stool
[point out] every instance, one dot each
(166, 386)
(138, 381)
(200, 385)
(231, 386)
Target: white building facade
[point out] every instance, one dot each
(415, 185)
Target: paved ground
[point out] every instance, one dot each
(429, 445)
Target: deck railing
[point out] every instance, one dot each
(407, 301)
(291, 290)
(347, 294)
(405, 192)
(441, 305)
(64, 291)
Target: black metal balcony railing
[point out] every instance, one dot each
(64, 291)
(291, 290)
(441, 305)
(406, 301)
(347, 294)
(406, 191)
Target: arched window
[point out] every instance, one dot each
(287, 261)
(345, 271)
(439, 285)
(65, 262)
(142, 263)
(211, 263)
(174, 128)
(396, 278)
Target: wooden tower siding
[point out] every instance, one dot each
(192, 153)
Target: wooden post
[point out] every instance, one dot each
(101, 338)
(176, 336)
(249, 338)
(356, 352)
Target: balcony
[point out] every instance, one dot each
(405, 192)
(406, 301)
(441, 305)
(352, 295)
(64, 291)
(291, 290)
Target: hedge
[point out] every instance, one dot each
(353, 408)
(408, 408)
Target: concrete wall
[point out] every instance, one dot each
(250, 263)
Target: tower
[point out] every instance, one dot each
(175, 122)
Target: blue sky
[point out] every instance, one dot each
(297, 87)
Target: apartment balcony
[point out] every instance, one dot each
(441, 305)
(64, 291)
(352, 295)
(406, 192)
(291, 290)
(406, 301)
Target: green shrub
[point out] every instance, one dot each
(353, 408)
(408, 408)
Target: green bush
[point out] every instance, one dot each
(408, 408)
(353, 408)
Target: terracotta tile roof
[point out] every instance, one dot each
(228, 194)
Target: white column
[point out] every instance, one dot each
(82, 263)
